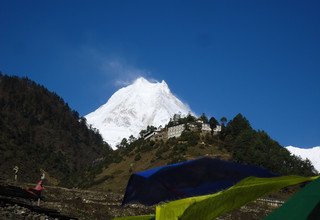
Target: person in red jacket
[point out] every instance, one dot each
(36, 191)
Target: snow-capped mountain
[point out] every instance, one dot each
(133, 108)
(313, 154)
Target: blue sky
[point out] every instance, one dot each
(258, 58)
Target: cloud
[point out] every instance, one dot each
(123, 72)
(115, 67)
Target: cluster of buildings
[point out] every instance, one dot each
(175, 129)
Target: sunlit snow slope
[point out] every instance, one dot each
(313, 154)
(133, 108)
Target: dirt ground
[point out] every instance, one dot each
(88, 204)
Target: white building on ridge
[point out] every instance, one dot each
(175, 131)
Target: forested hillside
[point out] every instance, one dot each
(38, 130)
(237, 141)
(256, 147)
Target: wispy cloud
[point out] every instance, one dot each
(121, 72)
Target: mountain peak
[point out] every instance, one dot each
(164, 84)
(146, 83)
(133, 108)
(141, 80)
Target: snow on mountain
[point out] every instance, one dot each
(313, 154)
(133, 108)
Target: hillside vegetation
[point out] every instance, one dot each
(39, 131)
(237, 141)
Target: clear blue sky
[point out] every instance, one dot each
(258, 58)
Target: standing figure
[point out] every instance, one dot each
(16, 170)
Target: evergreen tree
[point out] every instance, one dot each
(204, 118)
(190, 118)
(213, 123)
(124, 143)
(131, 139)
(237, 125)
(223, 120)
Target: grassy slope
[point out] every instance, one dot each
(116, 175)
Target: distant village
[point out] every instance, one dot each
(175, 128)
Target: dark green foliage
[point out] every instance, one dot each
(223, 121)
(191, 137)
(132, 139)
(237, 125)
(160, 152)
(146, 146)
(204, 118)
(188, 119)
(137, 157)
(123, 144)
(213, 123)
(38, 130)
(257, 148)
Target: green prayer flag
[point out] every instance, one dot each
(304, 204)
